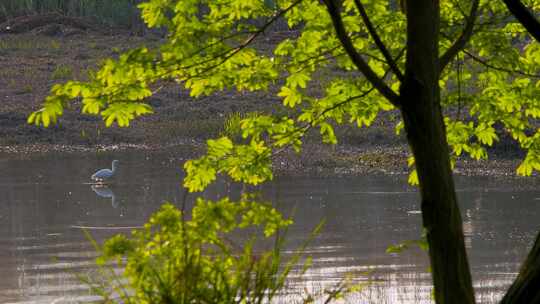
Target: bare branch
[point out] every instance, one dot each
(356, 58)
(459, 44)
(393, 66)
(525, 17)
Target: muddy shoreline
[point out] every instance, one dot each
(315, 159)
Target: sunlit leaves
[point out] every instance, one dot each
(225, 215)
(291, 97)
(199, 174)
(92, 105)
(327, 133)
(299, 79)
(489, 89)
(247, 163)
(50, 112)
(486, 134)
(154, 12)
(532, 160)
(123, 113)
(466, 137)
(115, 91)
(413, 175)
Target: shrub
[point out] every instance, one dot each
(174, 260)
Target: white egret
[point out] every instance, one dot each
(105, 174)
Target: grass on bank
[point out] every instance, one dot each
(110, 12)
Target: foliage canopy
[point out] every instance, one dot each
(491, 84)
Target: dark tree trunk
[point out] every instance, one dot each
(420, 106)
(526, 287)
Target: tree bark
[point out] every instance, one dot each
(426, 134)
(526, 287)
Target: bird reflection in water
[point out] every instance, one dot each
(106, 192)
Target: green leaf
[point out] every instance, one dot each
(291, 96)
(413, 178)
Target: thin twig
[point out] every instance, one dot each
(502, 69)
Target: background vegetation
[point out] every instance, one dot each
(114, 13)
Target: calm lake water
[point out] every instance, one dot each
(44, 202)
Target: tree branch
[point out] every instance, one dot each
(356, 58)
(393, 66)
(459, 44)
(525, 17)
(498, 68)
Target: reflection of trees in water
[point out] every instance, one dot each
(106, 192)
